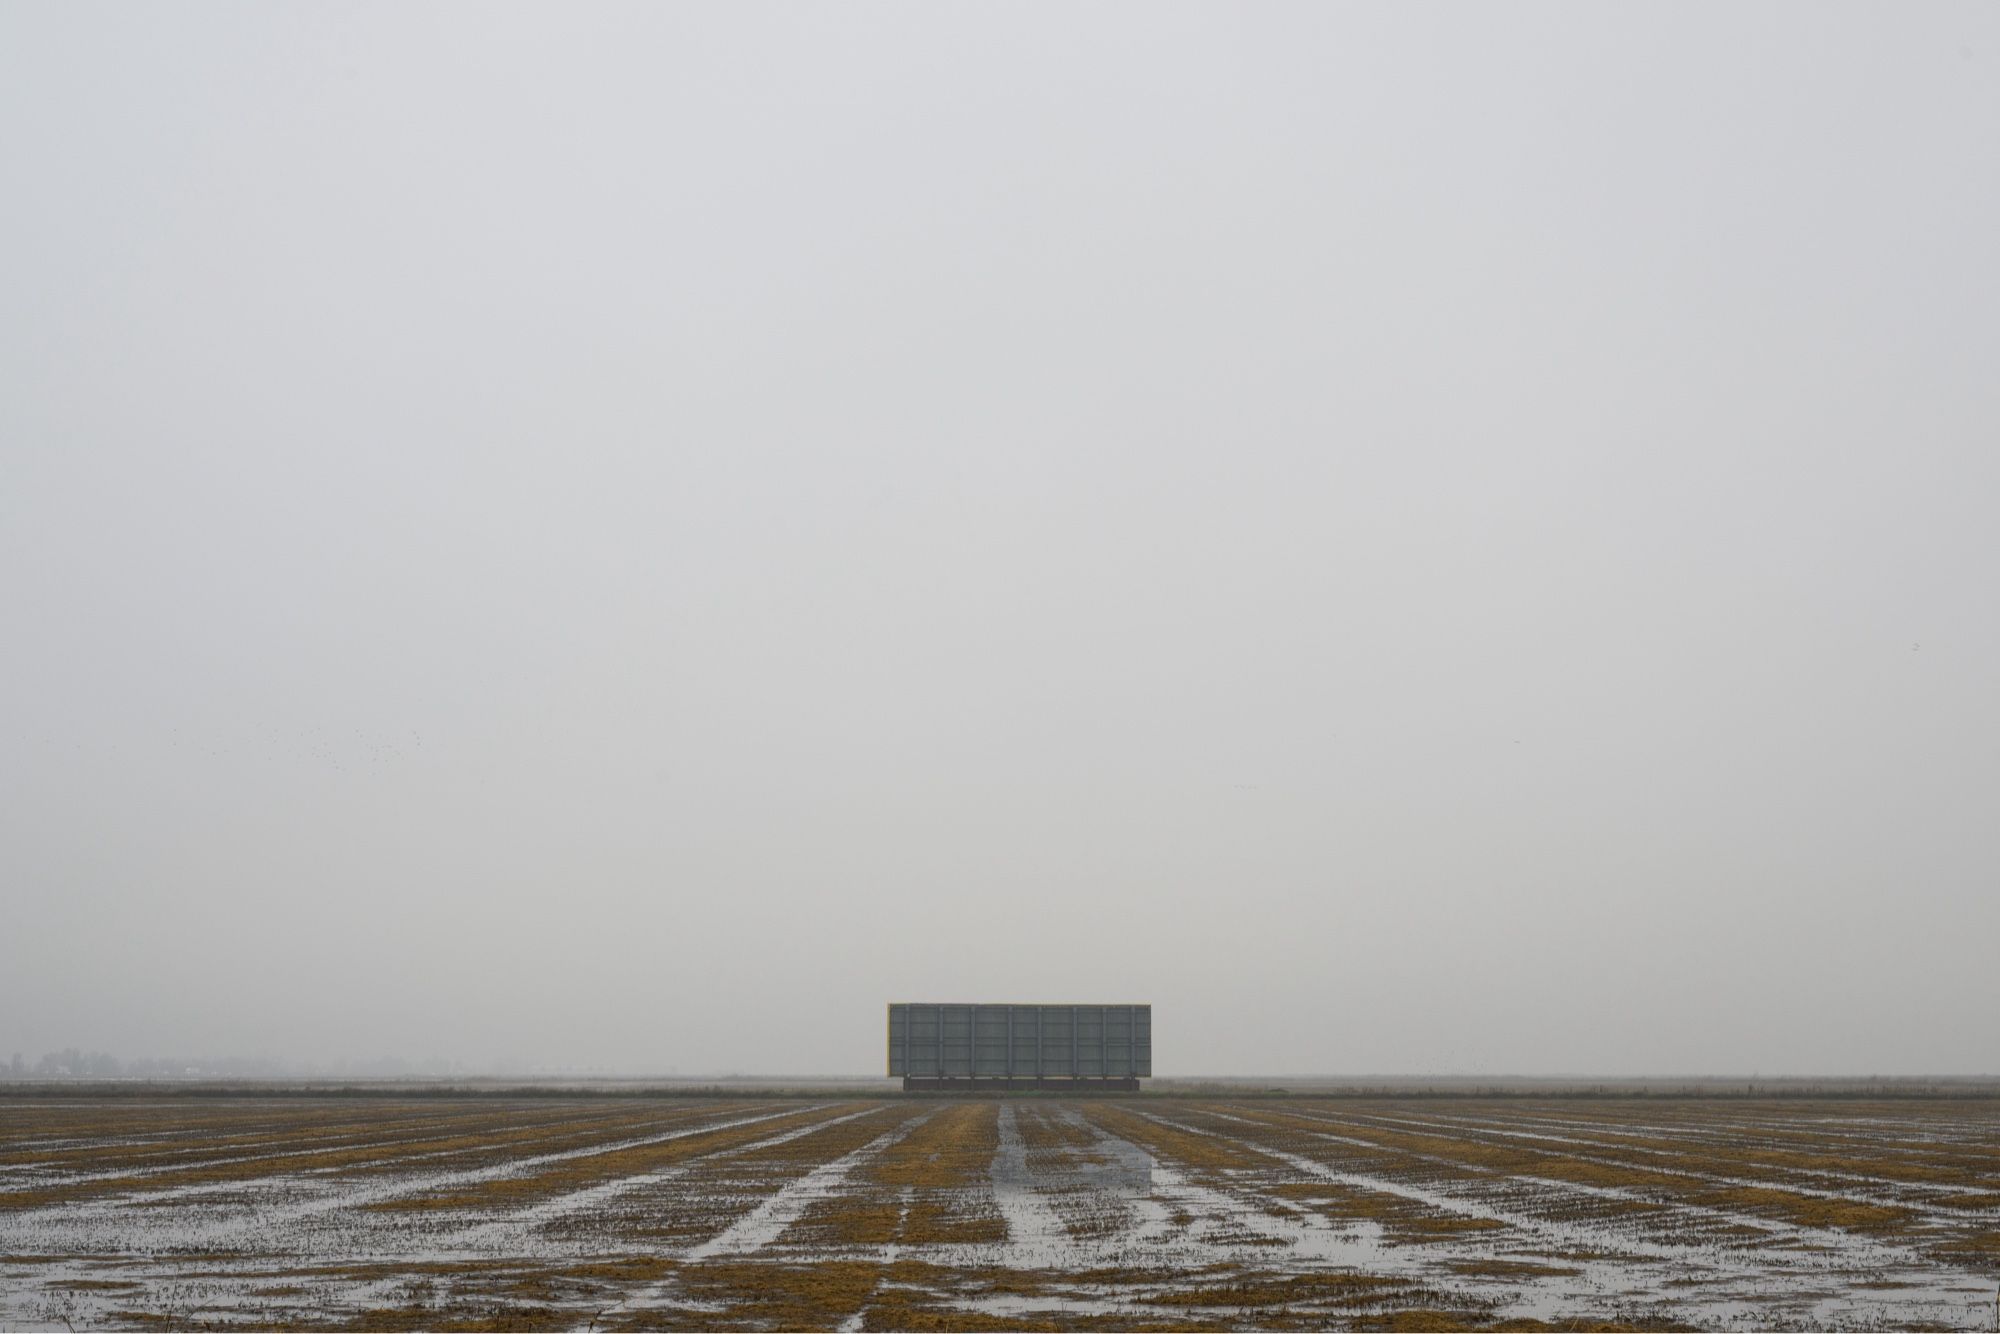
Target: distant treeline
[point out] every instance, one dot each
(324, 1088)
(140, 1087)
(75, 1063)
(1843, 1089)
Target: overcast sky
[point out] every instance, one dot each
(1414, 539)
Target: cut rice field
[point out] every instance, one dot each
(1131, 1213)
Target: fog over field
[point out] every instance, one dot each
(1414, 539)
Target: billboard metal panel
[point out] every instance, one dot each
(942, 1041)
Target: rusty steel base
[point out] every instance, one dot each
(991, 1083)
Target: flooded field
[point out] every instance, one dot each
(1116, 1214)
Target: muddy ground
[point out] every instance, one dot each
(1146, 1213)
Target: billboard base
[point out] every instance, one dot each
(999, 1083)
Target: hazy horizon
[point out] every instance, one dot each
(277, 1069)
(1411, 538)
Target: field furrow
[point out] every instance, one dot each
(1111, 1213)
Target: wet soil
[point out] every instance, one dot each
(1143, 1213)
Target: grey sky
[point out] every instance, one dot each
(1412, 538)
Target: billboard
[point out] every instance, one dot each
(944, 1041)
